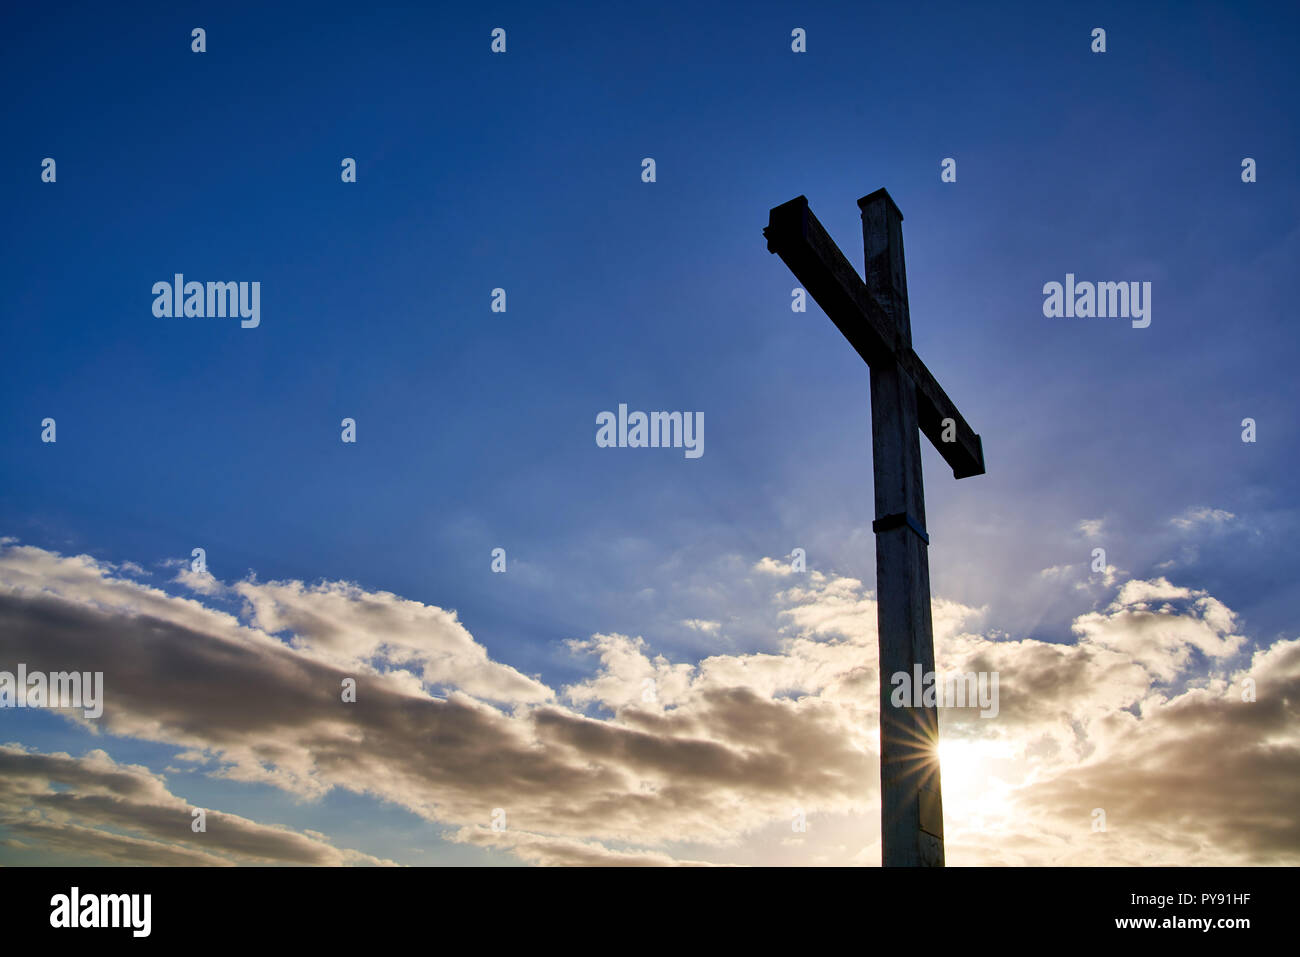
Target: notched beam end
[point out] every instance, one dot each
(785, 222)
(973, 465)
(795, 234)
(880, 195)
(964, 454)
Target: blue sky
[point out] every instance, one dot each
(522, 171)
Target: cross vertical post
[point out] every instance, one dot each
(911, 809)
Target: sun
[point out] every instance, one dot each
(959, 763)
(971, 772)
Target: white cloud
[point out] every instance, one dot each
(1202, 517)
(202, 582)
(770, 566)
(1091, 527)
(344, 625)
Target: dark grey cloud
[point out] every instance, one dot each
(92, 807)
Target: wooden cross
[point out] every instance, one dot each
(904, 398)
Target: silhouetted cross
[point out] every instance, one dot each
(905, 397)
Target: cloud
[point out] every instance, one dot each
(343, 624)
(1091, 527)
(80, 806)
(202, 581)
(723, 761)
(770, 566)
(1202, 777)
(1202, 517)
(565, 852)
(1159, 626)
(647, 760)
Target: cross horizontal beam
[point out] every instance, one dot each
(794, 234)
